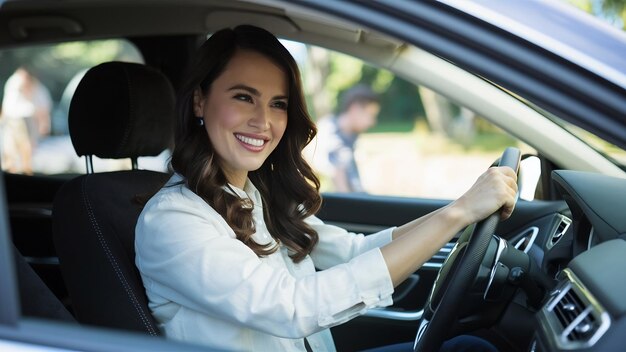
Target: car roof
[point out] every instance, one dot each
(91, 19)
(557, 27)
(549, 24)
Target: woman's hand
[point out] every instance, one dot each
(495, 189)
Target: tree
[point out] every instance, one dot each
(612, 11)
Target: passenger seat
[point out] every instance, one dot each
(120, 110)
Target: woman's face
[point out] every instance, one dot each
(245, 113)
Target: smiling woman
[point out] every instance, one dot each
(247, 92)
(246, 107)
(228, 248)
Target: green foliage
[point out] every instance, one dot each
(400, 102)
(492, 141)
(617, 8)
(345, 71)
(612, 11)
(393, 126)
(87, 54)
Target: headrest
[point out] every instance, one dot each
(122, 110)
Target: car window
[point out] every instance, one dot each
(37, 85)
(615, 153)
(421, 144)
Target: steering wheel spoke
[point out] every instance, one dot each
(498, 270)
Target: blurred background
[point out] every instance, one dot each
(427, 145)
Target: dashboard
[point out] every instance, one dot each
(587, 255)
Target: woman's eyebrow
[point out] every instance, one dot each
(254, 91)
(248, 89)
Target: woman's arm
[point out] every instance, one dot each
(336, 245)
(410, 226)
(417, 241)
(187, 254)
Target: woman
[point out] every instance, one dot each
(227, 250)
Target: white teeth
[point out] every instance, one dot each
(252, 141)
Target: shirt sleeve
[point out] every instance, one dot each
(187, 254)
(336, 245)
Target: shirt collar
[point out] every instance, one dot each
(249, 191)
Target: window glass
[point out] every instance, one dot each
(615, 153)
(36, 86)
(419, 144)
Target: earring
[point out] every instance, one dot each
(200, 121)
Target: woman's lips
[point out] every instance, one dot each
(251, 143)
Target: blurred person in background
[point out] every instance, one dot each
(25, 119)
(337, 135)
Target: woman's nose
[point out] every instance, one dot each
(260, 119)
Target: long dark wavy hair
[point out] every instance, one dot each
(289, 189)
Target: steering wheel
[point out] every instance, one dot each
(457, 274)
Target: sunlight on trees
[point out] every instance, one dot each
(611, 11)
(88, 53)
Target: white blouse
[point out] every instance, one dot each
(207, 287)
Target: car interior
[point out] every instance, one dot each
(97, 232)
(72, 235)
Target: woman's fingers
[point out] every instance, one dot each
(509, 196)
(495, 189)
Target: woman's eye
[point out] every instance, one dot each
(243, 97)
(280, 105)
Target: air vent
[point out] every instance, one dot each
(563, 224)
(437, 260)
(574, 317)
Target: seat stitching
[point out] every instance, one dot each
(114, 263)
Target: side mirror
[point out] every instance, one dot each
(528, 177)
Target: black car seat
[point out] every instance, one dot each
(119, 110)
